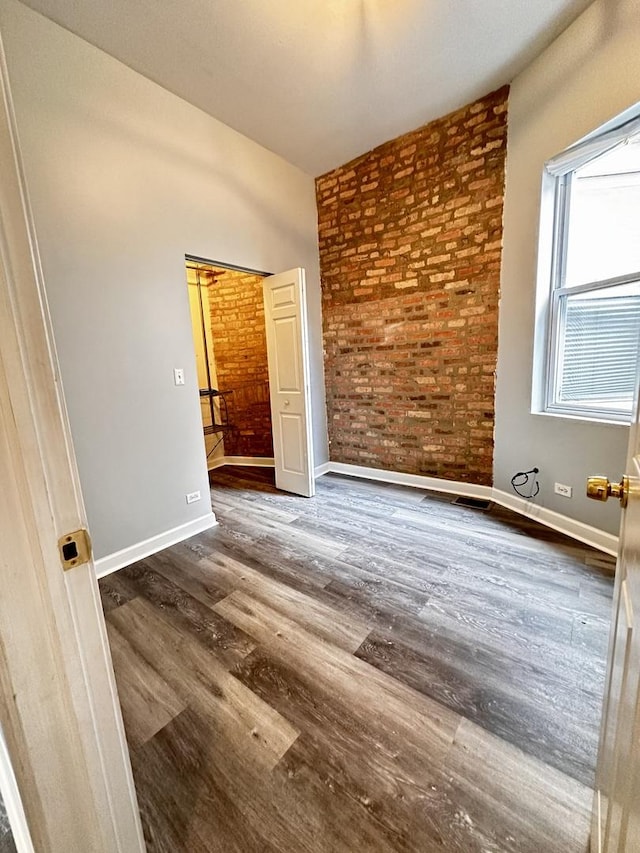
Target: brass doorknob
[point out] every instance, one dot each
(600, 489)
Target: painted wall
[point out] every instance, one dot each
(410, 242)
(590, 74)
(125, 179)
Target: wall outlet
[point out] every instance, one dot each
(178, 375)
(565, 491)
(192, 497)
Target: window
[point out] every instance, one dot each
(594, 306)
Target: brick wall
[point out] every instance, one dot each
(240, 352)
(410, 247)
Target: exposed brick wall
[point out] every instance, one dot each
(240, 352)
(410, 247)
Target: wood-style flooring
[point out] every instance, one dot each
(7, 844)
(374, 669)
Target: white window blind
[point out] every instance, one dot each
(600, 351)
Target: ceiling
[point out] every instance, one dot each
(321, 81)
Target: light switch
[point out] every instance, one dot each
(178, 375)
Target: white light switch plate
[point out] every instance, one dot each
(178, 375)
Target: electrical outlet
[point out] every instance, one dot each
(565, 491)
(178, 375)
(192, 497)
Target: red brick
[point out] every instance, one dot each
(410, 356)
(236, 304)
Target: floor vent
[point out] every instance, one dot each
(473, 503)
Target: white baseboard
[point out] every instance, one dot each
(255, 461)
(416, 481)
(261, 462)
(119, 559)
(606, 542)
(215, 462)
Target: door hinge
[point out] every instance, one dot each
(75, 549)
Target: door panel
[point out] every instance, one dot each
(288, 373)
(619, 731)
(283, 296)
(616, 822)
(287, 352)
(291, 431)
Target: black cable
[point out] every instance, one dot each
(521, 479)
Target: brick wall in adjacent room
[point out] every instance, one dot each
(410, 247)
(240, 352)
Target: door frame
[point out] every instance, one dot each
(59, 708)
(196, 259)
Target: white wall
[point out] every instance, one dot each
(124, 179)
(590, 74)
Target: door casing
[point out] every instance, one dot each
(59, 709)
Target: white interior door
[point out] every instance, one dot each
(616, 814)
(288, 357)
(59, 711)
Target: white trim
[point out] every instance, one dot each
(261, 462)
(319, 470)
(13, 802)
(606, 542)
(216, 462)
(592, 146)
(418, 481)
(556, 521)
(256, 461)
(119, 559)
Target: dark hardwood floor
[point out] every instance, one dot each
(374, 669)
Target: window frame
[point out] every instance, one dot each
(561, 170)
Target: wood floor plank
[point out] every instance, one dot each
(148, 702)
(348, 680)
(300, 569)
(551, 651)
(114, 591)
(389, 494)
(7, 843)
(186, 612)
(248, 727)
(297, 807)
(523, 805)
(230, 574)
(319, 542)
(373, 670)
(198, 811)
(390, 780)
(529, 708)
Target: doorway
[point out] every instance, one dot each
(228, 324)
(251, 339)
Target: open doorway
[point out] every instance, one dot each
(228, 323)
(251, 340)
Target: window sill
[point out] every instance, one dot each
(584, 419)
